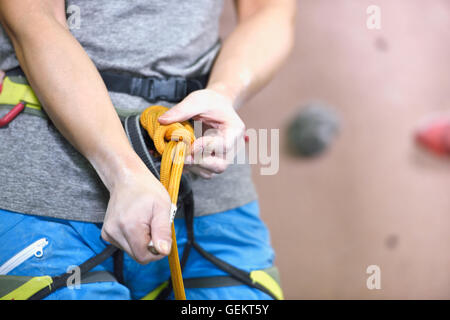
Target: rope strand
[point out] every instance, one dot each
(172, 142)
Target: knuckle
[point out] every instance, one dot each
(165, 231)
(123, 224)
(107, 232)
(105, 236)
(162, 197)
(161, 225)
(217, 169)
(162, 211)
(221, 167)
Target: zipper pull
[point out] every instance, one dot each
(40, 249)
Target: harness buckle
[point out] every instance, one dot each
(171, 89)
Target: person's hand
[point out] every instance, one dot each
(212, 153)
(138, 211)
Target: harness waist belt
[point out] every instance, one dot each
(152, 89)
(173, 89)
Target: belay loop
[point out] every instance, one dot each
(172, 142)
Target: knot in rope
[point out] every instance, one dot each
(163, 134)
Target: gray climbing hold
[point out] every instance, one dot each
(312, 130)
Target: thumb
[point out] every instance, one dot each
(181, 112)
(161, 232)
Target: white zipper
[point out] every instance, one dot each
(35, 249)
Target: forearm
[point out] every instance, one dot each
(254, 51)
(72, 93)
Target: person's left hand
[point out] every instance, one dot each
(211, 153)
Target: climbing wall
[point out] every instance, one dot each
(373, 198)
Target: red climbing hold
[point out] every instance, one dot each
(435, 136)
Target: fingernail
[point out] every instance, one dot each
(152, 248)
(163, 246)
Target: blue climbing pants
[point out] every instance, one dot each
(47, 246)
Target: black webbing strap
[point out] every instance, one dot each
(118, 266)
(140, 140)
(238, 274)
(61, 280)
(211, 282)
(15, 72)
(152, 89)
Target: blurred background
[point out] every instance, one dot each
(373, 197)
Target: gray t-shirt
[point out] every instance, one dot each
(42, 174)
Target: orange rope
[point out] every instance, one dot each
(172, 142)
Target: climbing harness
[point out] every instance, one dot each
(148, 138)
(17, 96)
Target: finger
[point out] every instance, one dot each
(232, 135)
(202, 172)
(183, 111)
(188, 160)
(121, 244)
(161, 231)
(214, 164)
(206, 174)
(209, 145)
(138, 237)
(218, 141)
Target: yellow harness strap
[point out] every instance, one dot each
(29, 288)
(172, 142)
(14, 92)
(264, 279)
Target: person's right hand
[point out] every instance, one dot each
(139, 211)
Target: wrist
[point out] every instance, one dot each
(115, 168)
(229, 92)
(235, 87)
